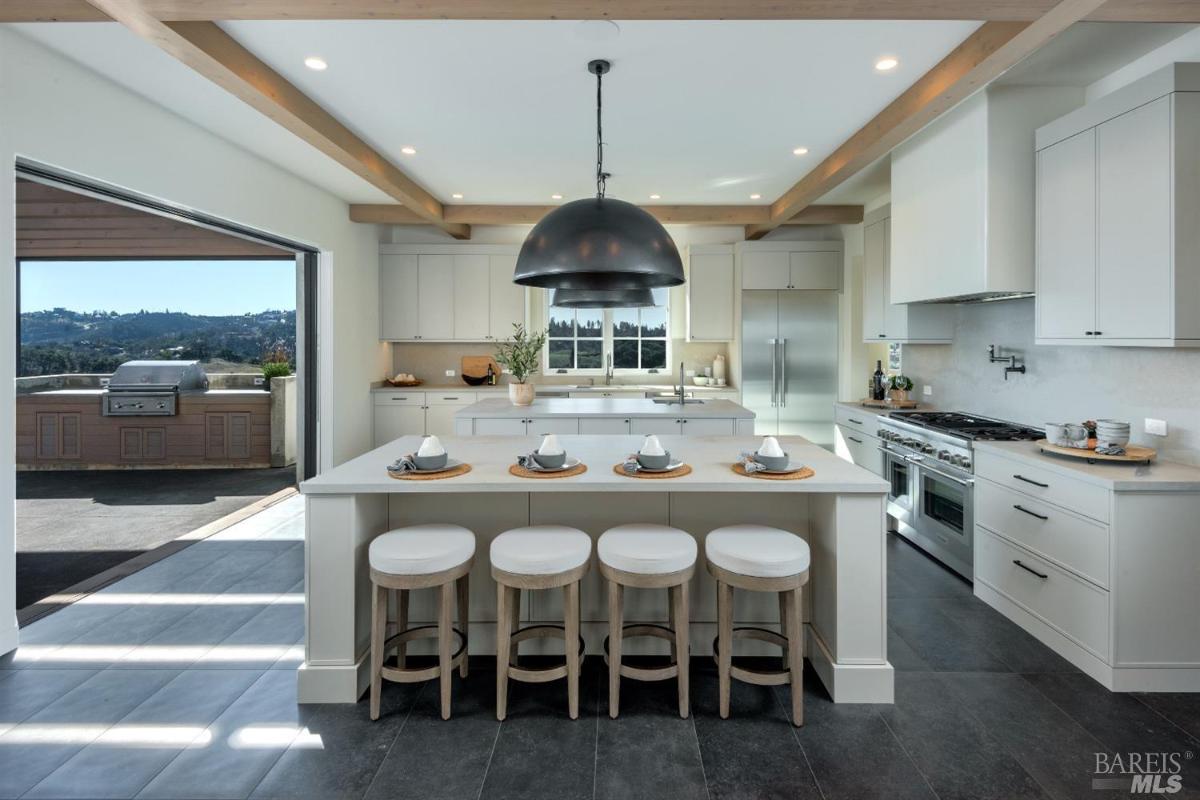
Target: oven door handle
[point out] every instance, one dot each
(920, 462)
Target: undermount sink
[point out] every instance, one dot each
(670, 401)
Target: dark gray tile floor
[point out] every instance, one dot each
(179, 682)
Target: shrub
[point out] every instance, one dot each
(276, 369)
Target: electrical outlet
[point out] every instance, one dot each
(1156, 427)
(259, 381)
(927, 390)
(691, 373)
(449, 373)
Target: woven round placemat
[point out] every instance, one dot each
(678, 472)
(522, 472)
(800, 475)
(453, 472)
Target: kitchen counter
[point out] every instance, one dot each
(501, 408)
(839, 511)
(1158, 476)
(598, 388)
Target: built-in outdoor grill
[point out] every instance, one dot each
(151, 388)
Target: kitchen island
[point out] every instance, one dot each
(839, 511)
(603, 415)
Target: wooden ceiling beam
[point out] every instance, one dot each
(216, 55)
(980, 59)
(383, 214)
(981, 10)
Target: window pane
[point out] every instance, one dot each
(625, 321)
(654, 353)
(590, 356)
(625, 353)
(562, 322)
(654, 321)
(562, 354)
(589, 323)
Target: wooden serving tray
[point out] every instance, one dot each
(403, 384)
(477, 366)
(1133, 453)
(869, 403)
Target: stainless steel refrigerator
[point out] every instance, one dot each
(790, 362)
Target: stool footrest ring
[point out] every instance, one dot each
(542, 674)
(760, 677)
(636, 629)
(417, 675)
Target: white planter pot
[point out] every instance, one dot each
(521, 394)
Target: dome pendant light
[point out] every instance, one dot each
(599, 243)
(602, 298)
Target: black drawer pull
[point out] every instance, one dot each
(1030, 513)
(1035, 483)
(855, 421)
(857, 441)
(1027, 569)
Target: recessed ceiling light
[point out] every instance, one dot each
(800, 151)
(656, 197)
(556, 197)
(886, 64)
(316, 62)
(456, 196)
(756, 197)
(408, 150)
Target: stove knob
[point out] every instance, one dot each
(943, 455)
(928, 449)
(966, 463)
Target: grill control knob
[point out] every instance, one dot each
(928, 449)
(943, 455)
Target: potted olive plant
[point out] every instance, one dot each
(520, 356)
(898, 388)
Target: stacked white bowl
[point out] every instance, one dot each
(1112, 432)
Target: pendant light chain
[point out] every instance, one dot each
(601, 175)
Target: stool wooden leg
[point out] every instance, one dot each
(795, 633)
(503, 643)
(515, 594)
(671, 618)
(679, 605)
(784, 599)
(464, 604)
(401, 624)
(571, 611)
(724, 643)
(445, 637)
(378, 628)
(616, 621)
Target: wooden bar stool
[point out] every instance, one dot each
(760, 559)
(420, 557)
(647, 557)
(538, 557)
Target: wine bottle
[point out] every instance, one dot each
(878, 390)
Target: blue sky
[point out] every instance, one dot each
(195, 287)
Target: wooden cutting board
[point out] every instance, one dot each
(869, 403)
(476, 366)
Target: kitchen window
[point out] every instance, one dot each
(581, 340)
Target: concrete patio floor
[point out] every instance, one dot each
(75, 525)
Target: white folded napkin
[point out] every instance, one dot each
(770, 448)
(431, 446)
(550, 446)
(652, 447)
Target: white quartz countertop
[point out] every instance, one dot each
(501, 408)
(711, 459)
(556, 388)
(1158, 476)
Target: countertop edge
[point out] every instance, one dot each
(1090, 473)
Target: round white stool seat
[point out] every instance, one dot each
(646, 549)
(541, 550)
(421, 549)
(757, 551)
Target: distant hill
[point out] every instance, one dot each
(68, 341)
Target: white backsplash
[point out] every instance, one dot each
(1061, 384)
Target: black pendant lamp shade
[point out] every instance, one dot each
(599, 244)
(602, 298)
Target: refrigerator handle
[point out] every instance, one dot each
(774, 383)
(783, 373)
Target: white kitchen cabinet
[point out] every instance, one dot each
(541, 426)
(766, 270)
(962, 193)
(440, 408)
(506, 300)
(398, 302)
(1118, 195)
(858, 448)
(698, 426)
(800, 265)
(884, 321)
(604, 426)
(644, 426)
(710, 293)
(435, 293)
(472, 296)
(499, 427)
(398, 414)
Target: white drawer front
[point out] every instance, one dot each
(399, 398)
(859, 448)
(1043, 484)
(540, 426)
(449, 398)
(863, 419)
(1077, 543)
(1073, 606)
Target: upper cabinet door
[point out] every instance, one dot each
(766, 269)
(710, 297)
(398, 280)
(1066, 238)
(819, 270)
(472, 285)
(507, 298)
(1133, 220)
(435, 293)
(874, 281)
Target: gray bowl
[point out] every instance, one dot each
(550, 461)
(430, 462)
(773, 462)
(654, 462)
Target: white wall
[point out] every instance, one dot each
(58, 113)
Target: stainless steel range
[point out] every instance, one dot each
(151, 388)
(929, 461)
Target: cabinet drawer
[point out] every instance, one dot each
(449, 398)
(1043, 484)
(1073, 606)
(859, 448)
(399, 398)
(604, 426)
(864, 420)
(1074, 542)
(557, 425)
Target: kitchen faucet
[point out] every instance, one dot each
(681, 395)
(608, 372)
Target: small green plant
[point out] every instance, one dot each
(522, 353)
(276, 369)
(901, 382)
